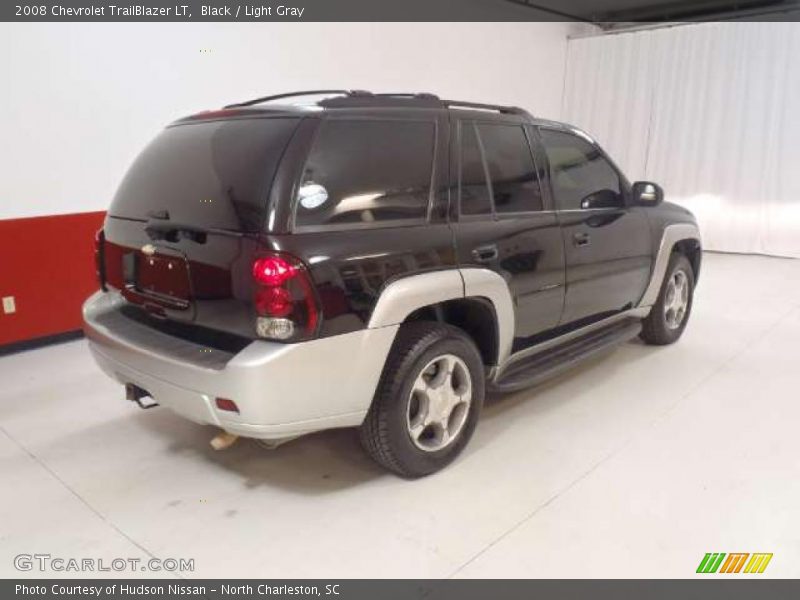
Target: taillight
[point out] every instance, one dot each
(273, 270)
(284, 300)
(99, 258)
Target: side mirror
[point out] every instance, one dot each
(647, 193)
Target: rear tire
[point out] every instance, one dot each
(428, 400)
(669, 315)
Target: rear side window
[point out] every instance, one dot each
(515, 183)
(473, 190)
(367, 172)
(212, 174)
(581, 177)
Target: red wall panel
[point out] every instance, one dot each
(47, 264)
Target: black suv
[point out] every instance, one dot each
(375, 261)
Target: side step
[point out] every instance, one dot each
(552, 361)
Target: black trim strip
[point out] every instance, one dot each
(39, 342)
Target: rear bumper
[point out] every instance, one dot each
(282, 390)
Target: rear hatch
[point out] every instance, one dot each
(182, 231)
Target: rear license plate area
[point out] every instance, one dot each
(163, 276)
(158, 279)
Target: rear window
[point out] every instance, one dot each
(367, 172)
(213, 174)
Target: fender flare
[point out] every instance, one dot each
(671, 235)
(405, 295)
(483, 283)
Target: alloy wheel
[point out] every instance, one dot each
(439, 403)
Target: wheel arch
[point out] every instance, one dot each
(691, 249)
(476, 300)
(680, 237)
(476, 316)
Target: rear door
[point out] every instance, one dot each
(183, 227)
(606, 242)
(504, 222)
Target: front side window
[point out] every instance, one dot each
(515, 184)
(367, 171)
(581, 177)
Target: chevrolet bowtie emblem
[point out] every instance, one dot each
(148, 249)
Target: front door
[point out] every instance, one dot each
(606, 241)
(503, 222)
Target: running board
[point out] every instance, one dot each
(552, 361)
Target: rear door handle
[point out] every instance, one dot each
(484, 254)
(581, 239)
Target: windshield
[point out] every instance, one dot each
(213, 174)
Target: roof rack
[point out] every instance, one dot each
(303, 93)
(419, 95)
(510, 110)
(368, 99)
(344, 98)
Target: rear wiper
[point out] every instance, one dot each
(173, 232)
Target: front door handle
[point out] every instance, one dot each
(485, 254)
(581, 239)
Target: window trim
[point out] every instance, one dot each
(390, 224)
(487, 181)
(624, 184)
(494, 215)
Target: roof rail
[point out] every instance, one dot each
(510, 110)
(418, 95)
(344, 98)
(398, 99)
(304, 93)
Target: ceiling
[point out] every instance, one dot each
(617, 11)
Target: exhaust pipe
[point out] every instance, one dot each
(223, 440)
(135, 394)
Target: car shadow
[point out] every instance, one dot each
(500, 409)
(319, 463)
(333, 460)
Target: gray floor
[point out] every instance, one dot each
(633, 465)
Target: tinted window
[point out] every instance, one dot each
(209, 174)
(474, 193)
(367, 171)
(581, 177)
(515, 184)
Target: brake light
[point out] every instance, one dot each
(274, 301)
(273, 270)
(284, 299)
(99, 258)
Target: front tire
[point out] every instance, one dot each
(428, 400)
(669, 315)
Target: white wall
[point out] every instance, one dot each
(710, 111)
(80, 100)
